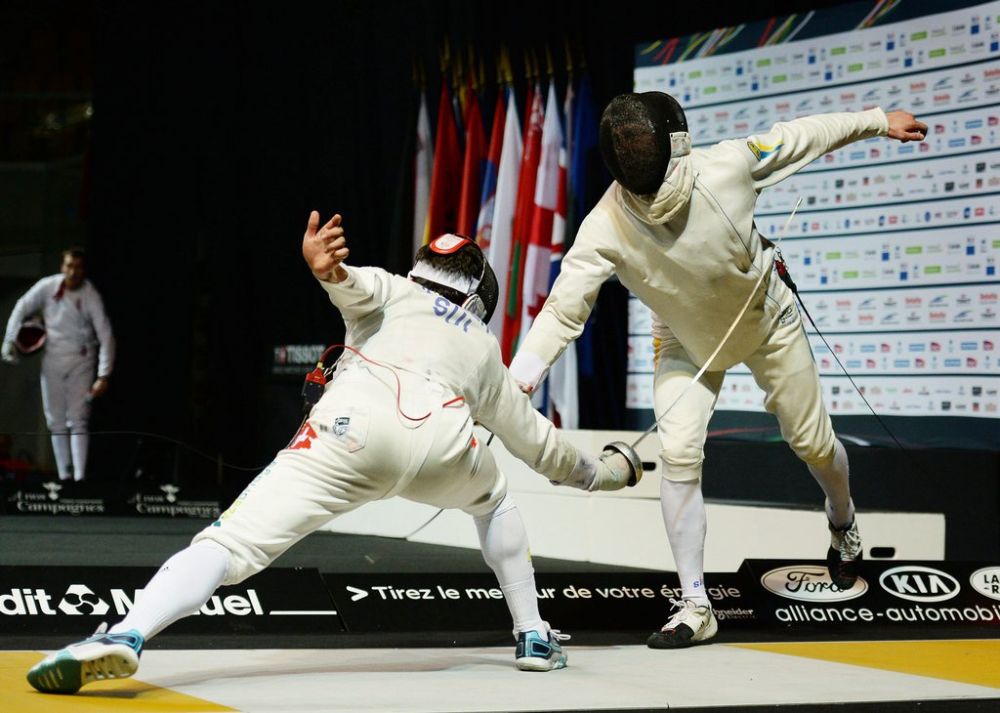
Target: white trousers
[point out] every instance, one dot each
(356, 448)
(783, 367)
(66, 380)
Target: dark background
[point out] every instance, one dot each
(216, 127)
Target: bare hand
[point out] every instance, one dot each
(904, 126)
(99, 388)
(325, 248)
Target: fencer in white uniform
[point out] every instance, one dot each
(395, 419)
(78, 342)
(677, 229)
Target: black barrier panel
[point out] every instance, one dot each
(474, 602)
(888, 593)
(72, 601)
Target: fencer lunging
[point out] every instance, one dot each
(677, 228)
(395, 419)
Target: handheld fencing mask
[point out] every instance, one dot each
(30, 337)
(441, 266)
(639, 134)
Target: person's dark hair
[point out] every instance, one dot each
(466, 263)
(74, 252)
(635, 138)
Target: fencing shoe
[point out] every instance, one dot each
(843, 559)
(101, 657)
(689, 625)
(536, 653)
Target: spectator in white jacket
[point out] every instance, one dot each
(77, 344)
(677, 229)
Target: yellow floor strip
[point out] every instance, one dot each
(968, 661)
(128, 694)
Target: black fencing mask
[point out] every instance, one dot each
(635, 138)
(443, 265)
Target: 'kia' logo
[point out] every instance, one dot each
(986, 581)
(919, 584)
(809, 583)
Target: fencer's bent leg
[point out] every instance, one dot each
(180, 588)
(504, 543)
(785, 369)
(682, 430)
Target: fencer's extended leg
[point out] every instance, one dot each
(785, 369)
(181, 587)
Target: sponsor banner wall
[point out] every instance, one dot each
(75, 600)
(888, 594)
(894, 247)
(474, 602)
(921, 44)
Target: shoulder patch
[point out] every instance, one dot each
(762, 151)
(754, 149)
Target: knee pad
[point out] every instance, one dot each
(680, 464)
(244, 560)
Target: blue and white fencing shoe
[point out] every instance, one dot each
(100, 658)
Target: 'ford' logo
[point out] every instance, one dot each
(809, 583)
(986, 581)
(919, 584)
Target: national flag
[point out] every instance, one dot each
(446, 177)
(535, 284)
(473, 165)
(523, 213)
(499, 235)
(423, 164)
(487, 201)
(562, 388)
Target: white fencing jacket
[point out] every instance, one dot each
(397, 322)
(696, 270)
(76, 324)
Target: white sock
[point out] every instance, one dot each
(686, 523)
(834, 479)
(181, 587)
(504, 542)
(79, 443)
(60, 449)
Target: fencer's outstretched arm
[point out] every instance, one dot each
(790, 146)
(561, 320)
(355, 292)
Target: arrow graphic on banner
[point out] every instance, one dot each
(356, 593)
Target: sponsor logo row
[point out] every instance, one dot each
(973, 397)
(925, 216)
(915, 583)
(854, 187)
(925, 94)
(928, 42)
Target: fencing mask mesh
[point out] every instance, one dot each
(635, 138)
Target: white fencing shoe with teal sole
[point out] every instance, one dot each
(100, 658)
(536, 653)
